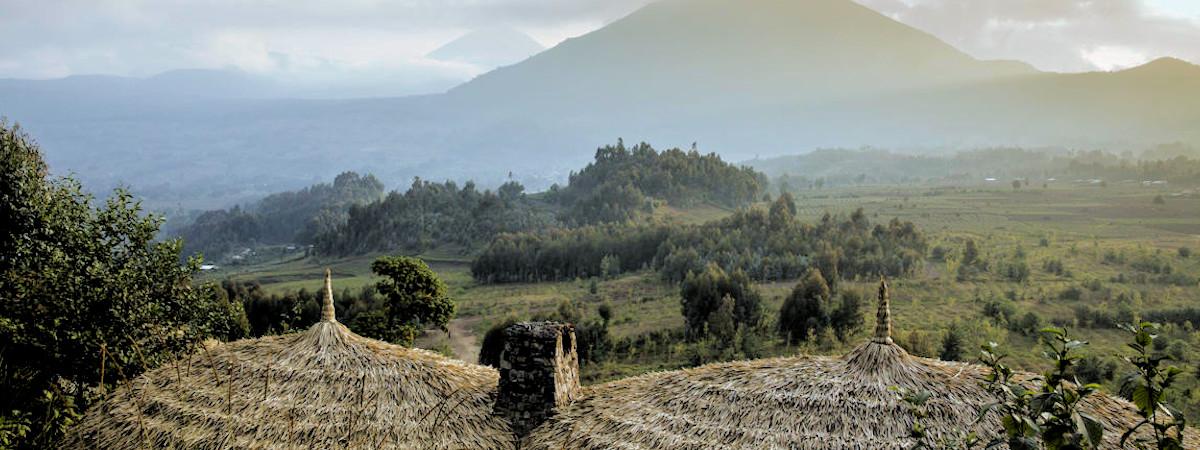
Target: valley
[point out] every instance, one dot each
(1079, 226)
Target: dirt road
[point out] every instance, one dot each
(463, 340)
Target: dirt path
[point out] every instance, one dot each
(462, 339)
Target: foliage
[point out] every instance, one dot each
(492, 345)
(970, 263)
(1147, 388)
(559, 254)
(1094, 369)
(1047, 416)
(88, 297)
(952, 345)
(749, 240)
(429, 214)
(706, 295)
(806, 310)
(415, 298)
(286, 217)
(621, 183)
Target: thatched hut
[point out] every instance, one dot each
(802, 402)
(329, 388)
(322, 388)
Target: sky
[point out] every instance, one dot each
(380, 41)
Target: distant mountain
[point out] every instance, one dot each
(722, 53)
(744, 78)
(489, 48)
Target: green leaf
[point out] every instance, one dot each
(1095, 430)
(1141, 398)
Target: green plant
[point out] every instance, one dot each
(1046, 416)
(916, 399)
(89, 292)
(416, 297)
(13, 428)
(1147, 388)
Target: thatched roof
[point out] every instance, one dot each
(322, 388)
(803, 402)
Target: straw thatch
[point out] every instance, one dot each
(322, 388)
(804, 402)
(329, 388)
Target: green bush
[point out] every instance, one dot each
(87, 290)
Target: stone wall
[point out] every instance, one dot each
(539, 371)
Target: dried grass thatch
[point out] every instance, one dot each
(322, 388)
(804, 402)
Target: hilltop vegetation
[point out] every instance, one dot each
(431, 214)
(286, 217)
(620, 185)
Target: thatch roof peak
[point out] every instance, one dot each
(800, 402)
(883, 317)
(325, 387)
(327, 312)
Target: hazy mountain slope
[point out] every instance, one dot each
(718, 52)
(489, 48)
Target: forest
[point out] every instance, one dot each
(295, 217)
(623, 183)
(431, 214)
(620, 185)
(767, 244)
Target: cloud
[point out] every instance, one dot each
(54, 38)
(1057, 35)
(384, 40)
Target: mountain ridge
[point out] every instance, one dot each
(787, 78)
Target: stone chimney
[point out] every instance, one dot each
(539, 372)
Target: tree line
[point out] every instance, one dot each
(620, 185)
(766, 244)
(841, 167)
(287, 217)
(429, 214)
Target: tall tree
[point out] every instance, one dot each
(416, 298)
(807, 309)
(88, 297)
(703, 293)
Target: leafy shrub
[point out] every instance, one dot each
(1071, 293)
(703, 294)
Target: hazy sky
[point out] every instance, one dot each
(322, 40)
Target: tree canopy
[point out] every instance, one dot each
(718, 302)
(416, 299)
(88, 297)
(286, 217)
(623, 183)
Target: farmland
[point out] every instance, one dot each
(1097, 234)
